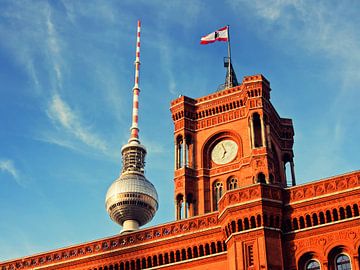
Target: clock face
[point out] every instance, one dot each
(224, 152)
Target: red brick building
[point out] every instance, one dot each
(237, 205)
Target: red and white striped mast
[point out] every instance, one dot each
(136, 90)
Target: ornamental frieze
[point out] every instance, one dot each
(326, 186)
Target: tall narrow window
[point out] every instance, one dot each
(179, 205)
(257, 130)
(179, 157)
(342, 262)
(217, 193)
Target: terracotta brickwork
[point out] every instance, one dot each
(236, 201)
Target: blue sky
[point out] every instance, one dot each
(66, 74)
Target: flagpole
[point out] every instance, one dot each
(229, 84)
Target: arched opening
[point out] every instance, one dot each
(207, 249)
(348, 212)
(179, 157)
(233, 226)
(258, 220)
(271, 223)
(289, 172)
(342, 213)
(302, 222)
(149, 262)
(155, 262)
(261, 178)
(177, 255)
(190, 206)
(308, 221)
(266, 223)
(217, 193)
(196, 253)
(172, 257)
(308, 261)
(338, 259)
(295, 224)
(219, 246)
(246, 224)
(213, 248)
(328, 216)
(257, 130)
(356, 210)
(189, 253)
(201, 250)
(189, 152)
(239, 225)
(312, 265)
(252, 222)
(179, 206)
(161, 260)
(183, 254)
(342, 262)
(232, 183)
(322, 218)
(143, 263)
(271, 178)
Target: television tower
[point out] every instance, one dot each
(132, 200)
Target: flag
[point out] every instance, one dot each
(219, 35)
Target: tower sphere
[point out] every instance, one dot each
(131, 197)
(132, 200)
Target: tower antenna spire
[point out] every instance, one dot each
(134, 136)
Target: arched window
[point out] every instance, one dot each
(261, 178)
(312, 265)
(217, 193)
(257, 130)
(179, 157)
(179, 206)
(231, 183)
(342, 262)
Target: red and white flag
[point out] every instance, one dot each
(219, 35)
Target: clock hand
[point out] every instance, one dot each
(224, 151)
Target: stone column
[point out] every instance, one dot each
(292, 173)
(185, 207)
(175, 156)
(184, 152)
(262, 131)
(252, 133)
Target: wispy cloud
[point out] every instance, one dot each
(8, 166)
(65, 118)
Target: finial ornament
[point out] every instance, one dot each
(132, 200)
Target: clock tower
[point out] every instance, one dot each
(226, 140)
